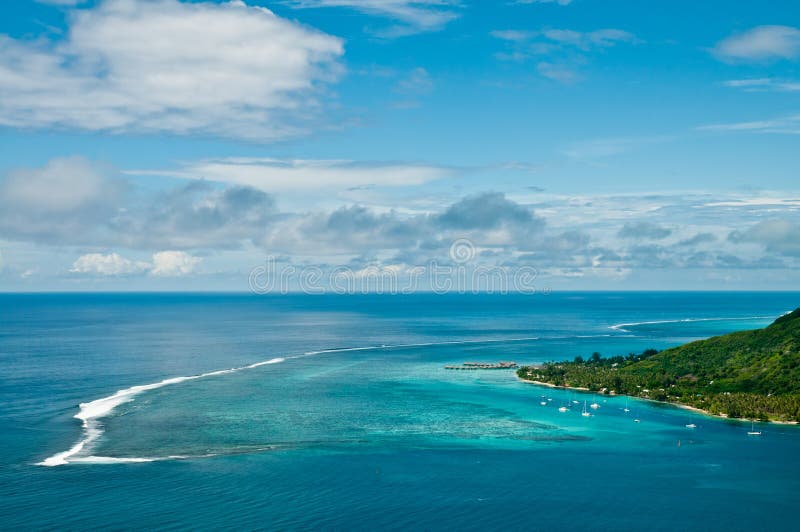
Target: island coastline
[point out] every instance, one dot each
(670, 403)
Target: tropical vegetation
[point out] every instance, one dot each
(747, 374)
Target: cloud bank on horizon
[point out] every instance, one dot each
(175, 144)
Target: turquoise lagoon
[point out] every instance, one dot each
(336, 412)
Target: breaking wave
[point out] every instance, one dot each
(623, 327)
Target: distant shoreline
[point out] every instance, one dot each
(675, 404)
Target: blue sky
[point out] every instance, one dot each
(160, 144)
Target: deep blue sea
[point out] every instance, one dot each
(354, 424)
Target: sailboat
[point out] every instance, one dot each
(564, 407)
(626, 409)
(543, 402)
(594, 405)
(585, 413)
(753, 431)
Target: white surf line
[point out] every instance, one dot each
(90, 413)
(92, 459)
(621, 326)
(424, 344)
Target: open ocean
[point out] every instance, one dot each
(336, 412)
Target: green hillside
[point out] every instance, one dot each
(748, 374)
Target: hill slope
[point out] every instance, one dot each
(751, 374)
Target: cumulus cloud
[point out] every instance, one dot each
(777, 236)
(698, 239)
(76, 202)
(64, 200)
(169, 66)
(347, 230)
(164, 264)
(644, 231)
(274, 175)
(571, 248)
(414, 15)
(198, 216)
(108, 265)
(488, 211)
(93, 209)
(488, 219)
(173, 263)
(761, 43)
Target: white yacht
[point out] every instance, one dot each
(753, 431)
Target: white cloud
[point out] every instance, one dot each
(514, 35)
(173, 263)
(756, 202)
(59, 200)
(164, 264)
(298, 174)
(108, 265)
(788, 125)
(581, 234)
(416, 83)
(763, 84)
(163, 65)
(602, 38)
(559, 73)
(61, 185)
(415, 15)
(761, 43)
(75, 202)
(564, 49)
(777, 236)
(643, 230)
